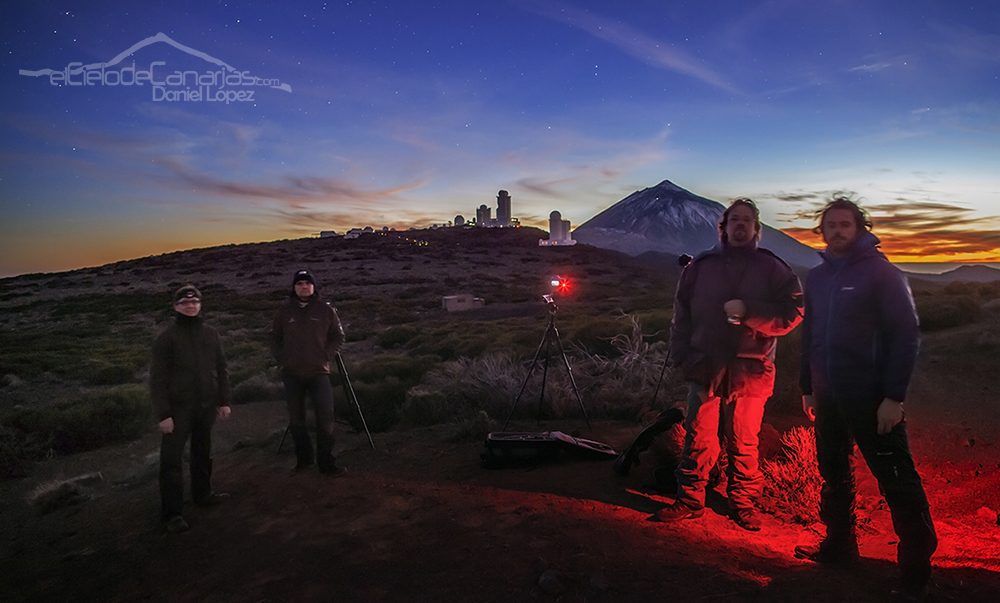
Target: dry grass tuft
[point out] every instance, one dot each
(792, 481)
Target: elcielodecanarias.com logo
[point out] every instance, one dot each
(224, 85)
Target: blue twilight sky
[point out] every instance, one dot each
(408, 113)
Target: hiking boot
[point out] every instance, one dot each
(623, 464)
(830, 552)
(748, 519)
(176, 525)
(213, 498)
(677, 511)
(334, 472)
(302, 466)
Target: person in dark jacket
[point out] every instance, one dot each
(189, 387)
(859, 347)
(305, 335)
(731, 303)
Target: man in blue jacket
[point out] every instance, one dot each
(731, 304)
(860, 339)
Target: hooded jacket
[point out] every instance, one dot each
(861, 334)
(725, 358)
(305, 337)
(188, 369)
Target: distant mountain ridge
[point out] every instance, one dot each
(669, 219)
(964, 274)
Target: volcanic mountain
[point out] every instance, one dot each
(669, 219)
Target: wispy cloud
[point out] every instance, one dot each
(631, 41)
(910, 229)
(965, 42)
(870, 67)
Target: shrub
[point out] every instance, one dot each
(98, 419)
(792, 481)
(424, 407)
(257, 388)
(397, 335)
(939, 312)
(111, 374)
(468, 385)
(380, 402)
(405, 368)
(473, 428)
(595, 336)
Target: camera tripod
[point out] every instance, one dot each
(550, 337)
(351, 397)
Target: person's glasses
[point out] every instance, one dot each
(189, 302)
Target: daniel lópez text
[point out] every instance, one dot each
(225, 85)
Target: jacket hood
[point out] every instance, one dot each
(866, 245)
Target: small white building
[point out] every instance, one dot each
(462, 301)
(558, 232)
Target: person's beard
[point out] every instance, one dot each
(741, 236)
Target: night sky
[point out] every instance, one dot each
(408, 113)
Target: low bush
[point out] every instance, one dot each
(380, 402)
(939, 312)
(258, 388)
(469, 385)
(424, 407)
(97, 419)
(110, 374)
(473, 428)
(792, 481)
(397, 335)
(407, 369)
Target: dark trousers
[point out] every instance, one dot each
(838, 426)
(320, 392)
(197, 425)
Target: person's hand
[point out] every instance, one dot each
(809, 406)
(735, 309)
(224, 412)
(167, 425)
(890, 414)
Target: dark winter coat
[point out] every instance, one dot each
(188, 369)
(730, 359)
(304, 339)
(861, 335)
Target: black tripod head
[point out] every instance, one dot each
(550, 304)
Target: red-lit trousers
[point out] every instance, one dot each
(737, 420)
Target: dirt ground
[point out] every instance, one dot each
(418, 519)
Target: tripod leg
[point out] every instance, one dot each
(524, 384)
(663, 370)
(349, 392)
(282, 442)
(569, 372)
(545, 374)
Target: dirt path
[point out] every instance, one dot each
(419, 520)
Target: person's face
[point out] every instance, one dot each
(740, 226)
(304, 289)
(839, 230)
(189, 306)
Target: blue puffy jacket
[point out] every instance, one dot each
(860, 335)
